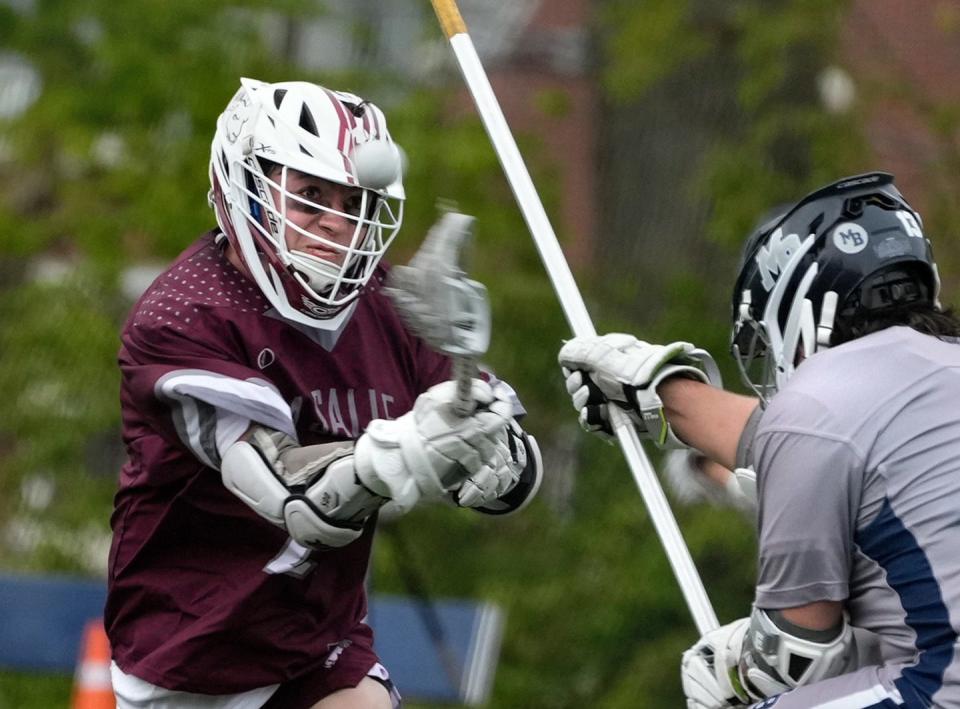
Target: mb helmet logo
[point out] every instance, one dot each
(775, 255)
(850, 238)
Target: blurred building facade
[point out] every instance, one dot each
(547, 86)
(896, 72)
(621, 170)
(539, 57)
(915, 45)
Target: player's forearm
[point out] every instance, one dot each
(705, 417)
(820, 615)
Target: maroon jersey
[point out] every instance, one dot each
(204, 595)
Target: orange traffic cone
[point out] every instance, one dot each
(91, 684)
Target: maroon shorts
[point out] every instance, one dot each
(347, 663)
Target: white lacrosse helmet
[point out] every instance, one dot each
(301, 126)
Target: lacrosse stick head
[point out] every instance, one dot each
(434, 297)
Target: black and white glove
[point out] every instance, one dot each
(709, 670)
(432, 450)
(620, 369)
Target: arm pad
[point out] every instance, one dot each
(324, 505)
(778, 655)
(248, 476)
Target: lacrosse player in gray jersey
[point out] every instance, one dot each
(854, 435)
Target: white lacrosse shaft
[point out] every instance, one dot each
(464, 372)
(573, 306)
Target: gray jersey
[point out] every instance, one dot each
(858, 463)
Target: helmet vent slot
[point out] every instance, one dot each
(307, 122)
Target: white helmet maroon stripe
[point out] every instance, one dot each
(304, 127)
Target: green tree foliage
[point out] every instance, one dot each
(121, 132)
(105, 170)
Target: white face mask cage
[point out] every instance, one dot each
(333, 281)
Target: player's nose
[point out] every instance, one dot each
(334, 221)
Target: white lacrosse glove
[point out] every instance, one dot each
(494, 480)
(709, 670)
(684, 473)
(620, 369)
(511, 482)
(432, 450)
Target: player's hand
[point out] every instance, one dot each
(694, 478)
(494, 481)
(622, 370)
(432, 449)
(590, 402)
(709, 672)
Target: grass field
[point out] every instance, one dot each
(24, 690)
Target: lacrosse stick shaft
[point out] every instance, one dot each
(464, 370)
(572, 303)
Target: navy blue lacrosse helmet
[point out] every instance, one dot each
(853, 247)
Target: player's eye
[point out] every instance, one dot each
(310, 192)
(309, 200)
(353, 204)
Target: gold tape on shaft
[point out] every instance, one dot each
(449, 16)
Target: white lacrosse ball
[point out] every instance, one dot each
(378, 163)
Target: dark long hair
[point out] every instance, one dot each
(921, 316)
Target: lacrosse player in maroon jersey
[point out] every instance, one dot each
(851, 444)
(272, 402)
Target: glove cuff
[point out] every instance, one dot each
(650, 405)
(379, 465)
